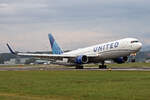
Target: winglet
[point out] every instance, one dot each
(10, 49)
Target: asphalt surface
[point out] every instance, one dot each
(34, 68)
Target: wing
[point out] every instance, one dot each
(50, 56)
(47, 56)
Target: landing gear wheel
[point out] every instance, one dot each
(133, 60)
(79, 67)
(102, 66)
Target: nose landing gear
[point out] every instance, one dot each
(132, 57)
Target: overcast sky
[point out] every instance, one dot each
(25, 24)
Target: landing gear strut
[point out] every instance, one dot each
(133, 57)
(79, 66)
(103, 66)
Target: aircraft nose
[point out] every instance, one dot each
(139, 46)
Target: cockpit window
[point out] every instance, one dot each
(134, 41)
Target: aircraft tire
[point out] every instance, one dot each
(102, 66)
(79, 67)
(133, 60)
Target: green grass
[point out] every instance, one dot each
(74, 85)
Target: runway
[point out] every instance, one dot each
(34, 68)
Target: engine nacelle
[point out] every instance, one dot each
(83, 59)
(121, 60)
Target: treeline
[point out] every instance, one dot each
(6, 57)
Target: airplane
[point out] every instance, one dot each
(118, 51)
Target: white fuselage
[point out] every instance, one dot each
(119, 48)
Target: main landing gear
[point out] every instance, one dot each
(102, 66)
(79, 66)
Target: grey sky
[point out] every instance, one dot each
(74, 23)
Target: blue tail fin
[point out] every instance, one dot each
(54, 46)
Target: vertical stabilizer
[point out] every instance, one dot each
(10, 49)
(54, 46)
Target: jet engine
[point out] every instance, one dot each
(121, 60)
(83, 59)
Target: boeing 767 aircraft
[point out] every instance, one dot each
(118, 51)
